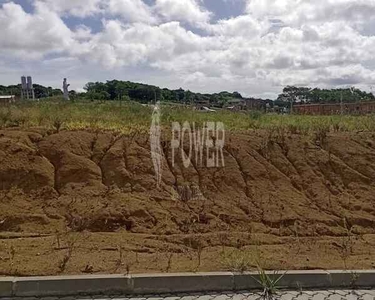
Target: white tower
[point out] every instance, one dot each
(65, 89)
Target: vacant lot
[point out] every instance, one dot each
(78, 195)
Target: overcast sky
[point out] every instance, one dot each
(254, 47)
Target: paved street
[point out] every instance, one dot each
(285, 295)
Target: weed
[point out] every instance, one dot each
(321, 134)
(88, 269)
(237, 260)
(269, 283)
(57, 238)
(5, 116)
(57, 124)
(223, 238)
(281, 139)
(11, 254)
(64, 261)
(169, 262)
(18, 117)
(293, 129)
(267, 144)
(346, 243)
(119, 262)
(336, 127)
(199, 251)
(295, 225)
(71, 241)
(354, 276)
(127, 266)
(255, 115)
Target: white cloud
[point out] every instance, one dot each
(121, 45)
(189, 11)
(244, 25)
(276, 43)
(302, 12)
(83, 32)
(131, 10)
(31, 36)
(78, 8)
(269, 8)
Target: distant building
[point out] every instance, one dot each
(27, 89)
(236, 104)
(7, 99)
(199, 104)
(255, 104)
(335, 108)
(246, 104)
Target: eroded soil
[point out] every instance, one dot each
(87, 202)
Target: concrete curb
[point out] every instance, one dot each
(177, 283)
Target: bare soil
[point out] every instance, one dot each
(87, 202)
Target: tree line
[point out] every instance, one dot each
(39, 90)
(144, 93)
(125, 90)
(306, 95)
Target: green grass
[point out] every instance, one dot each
(130, 117)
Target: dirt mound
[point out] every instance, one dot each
(298, 201)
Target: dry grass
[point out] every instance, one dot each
(131, 118)
(237, 260)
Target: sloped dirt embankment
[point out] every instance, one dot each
(90, 199)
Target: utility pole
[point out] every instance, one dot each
(352, 91)
(341, 104)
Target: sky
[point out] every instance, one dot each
(255, 47)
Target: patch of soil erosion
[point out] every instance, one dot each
(86, 202)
